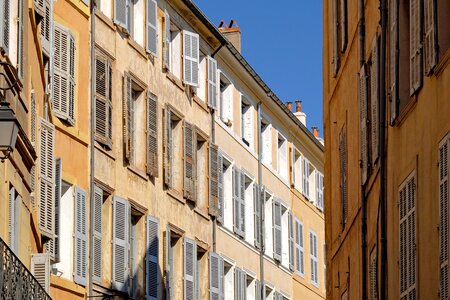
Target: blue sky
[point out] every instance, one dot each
(282, 40)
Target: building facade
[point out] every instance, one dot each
(385, 169)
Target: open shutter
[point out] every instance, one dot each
(415, 38)
(393, 59)
(13, 220)
(242, 203)
(20, 46)
(237, 284)
(152, 269)
(236, 200)
(305, 175)
(220, 188)
(71, 80)
(152, 135)
(214, 168)
(343, 24)
(190, 57)
(103, 108)
(46, 26)
(343, 174)
(189, 161)
(167, 140)
(120, 13)
(152, 27)
(212, 83)
(363, 122)
(127, 117)
(257, 212)
(215, 276)
(168, 262)
(166, 45)
(373, 275)
(374, 100)
(97, 212)
(121, 223)
(311, 254)
(81, 255)
(291, 241)
(443, 220)
(276, 230)
(258, 290)
(430, 42)
(190, 262)
(58, 187)
(4, 25)
(335, 38)
(292, 166)
(40, 268)
(299, 252)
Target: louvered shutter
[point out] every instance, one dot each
(39, 7)
(58, 188)
(292, 166)
(103, 107)
(343, 174)
(190, 259)
(299, 252)
(276, 230)
(343, 24)
(189, 162)
(257, 213)
(258, 290)
(190, 57)
(237, 284)
(152, 135)
(242, 204)
(373, 275)
(335, 38)
(5, 25)
(40, 269)
(168, 262)
(291, 241)
(393, 59)
(81, 255)
(212, 83)
(121, 224)
(13, 220)
(319, 190)
(20, 48)
(166, 45)
(236, 200)
(215, 276)
(152, 27)
(243, 285)
(120, 13)
(305, 168)
(98, 221)
(311, 253)
(127, 117)
(46, 27)
(363, 122)
(374, 100)
(214, 170)
(152, 269)
(46, 178)
(167, 142)
(430, 36)
(443, 220)
(220, 189)
(415, 39)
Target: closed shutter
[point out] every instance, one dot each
(373, 275)
(98, 221)
(189, 161)
(407, 237)
(215, 276)
(363, 123)
(121, 224)
(443, 220)
(127, 118)
(5, 25)
(81, 255)
(257, 212)
(214, 170)
(152, 27)
(46, 178)
(152, 269)
(291, 241)
(58, 188)
(430, 42)
(152, 135)
(299, 250)
(20, 44)
(190, 261)
(343, 174)
(103, 99)
(276, 230)
(212, 83)
(120, 13)
(166, 45)
(374, 100)
(237, 284)
(64, 72)
(335, 25)
(167, 142)
(13, 221)
(40, 269)
(393, 59)
(220, 189)
(236, 200)
(258, 290)
(242, 204)
(190, 57)
(415, 39)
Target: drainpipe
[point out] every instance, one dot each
(260, 202)
(382, 149)
(92, 148)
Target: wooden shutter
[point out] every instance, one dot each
(319, 190)
(257, 213)
(152, 269)
(46, 178)
(189, 161)
(190, 57)
(46, 27)
(5, 25)
(190, 262)
(373, 275)
(20, 46)
(335, 25)
(242, 204)
(305, 168)
(258, 290)
(103, 97)
(168, 264)
(292, 149)
(430, 39)
(299, 251)
(237, 284)
(166, 45)
(215, 276)
(121, 224)
(236, 200)
(81, 255)
(220, 189)
(291, 241)
(58, 188)
(277, 230)
(120, 13)
(374, 100)
(127, 117)
(167, 142)
(415, 39)
(40, 268)
(214, 170)
(393, 59)
(98, 221)
(313, 255)
(444, 219)
(212, 83)
(407, 237)
(343, 174)
(343, 24)
(13, 221)
(152, 27)
(152, 134)
(363, 123)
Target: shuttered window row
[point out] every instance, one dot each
(444, 219)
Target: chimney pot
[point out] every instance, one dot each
(298, 106)
(315, 131)
(289, 105)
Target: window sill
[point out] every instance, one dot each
(200, 103)
(406, 110)
(139, 49)
(108, 22)
(70, 131)
(176, 195)
(275, 173)
(236, 138)
(175, 80)
(106, 152)
(242, 241)
(138, 172)
(442, 64)
(202, 213)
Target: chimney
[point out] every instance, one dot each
(315, 131)
(232, 32)
(289, 105)
(298, 112)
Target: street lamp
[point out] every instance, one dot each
(9, 125)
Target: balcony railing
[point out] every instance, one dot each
(16, 281)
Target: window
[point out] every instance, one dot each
(52, 246)
(190, 269)
(374, 99)
(314, 258)
(340, 30)
(249, 199)
(305, 176)
(152, 262)
(282, 163)
(240, 284)
(266, 132)
(247, 129)
(191, 52)
(287, 238)
(270, 293)
(120, 244)
(201, 172)
(201, 89)
(201, 285)
(228, 281)
(226, 99)
(296, 169)
(13, 220)
(343, 174)
(239, 193)
(299, 248)
(103, 99)
(319, 190)
(226, 192)
(407, 237)
(174, 61)
(363, 118)
(443, 172)
(137, 271)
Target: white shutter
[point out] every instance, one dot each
(215, 276)
(46, 27)
(276, 230)
(169, 267)
(121, 224)
(5, 10)
(212, 83)
(190, 262)
(258, 290)
(299, 251)
(291, 241)
(313, 257)
(374, 100)
(443, 219)
(319, 190)
(152, 27)
(152, 269)
(191, 53)
(257, 212)
(305, 168)
(242, 204)
(14, 205)
(81, 243)
(120, 13)
(363, 122)
(40, 268)
(415, 48)
(166, 46)
(214, 173)
(236, 200)
(98, 221)
(20, 46)
(58, 187)
(220, 189)
(293, 166)
(393, 58)
(430, 40)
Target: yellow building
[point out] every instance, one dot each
(387, 148)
